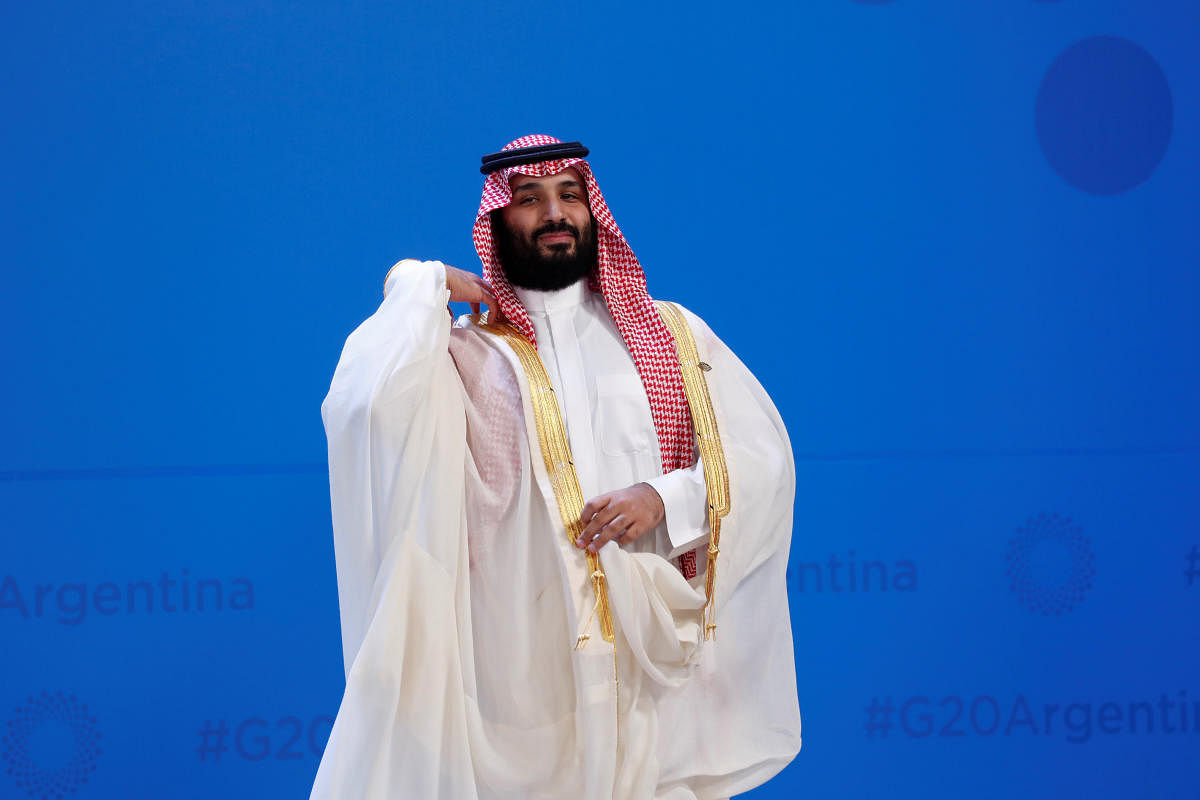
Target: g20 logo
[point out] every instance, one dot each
(51, 744)
(1050, 564)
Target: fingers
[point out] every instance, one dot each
(479, 292)
(622, 516)
(621, 527)
(467, 287)
(594, 523)
(489, 297)
(592, 506)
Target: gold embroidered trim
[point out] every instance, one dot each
(708, 440)
(556, 453)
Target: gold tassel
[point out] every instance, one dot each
(710, 579)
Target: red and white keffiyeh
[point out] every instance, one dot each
(623, 285)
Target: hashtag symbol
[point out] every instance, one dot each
(1193, 569)
(212, 740)
(879, 717)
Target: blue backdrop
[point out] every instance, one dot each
(956, 241)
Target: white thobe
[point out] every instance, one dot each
(607, 413)
(474, 663)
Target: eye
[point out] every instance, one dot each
(526, 200)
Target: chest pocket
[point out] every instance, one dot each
(623, 421)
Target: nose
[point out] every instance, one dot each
(554, 210)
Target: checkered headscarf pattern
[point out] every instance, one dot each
(623, 285)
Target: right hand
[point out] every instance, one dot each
(467, 287)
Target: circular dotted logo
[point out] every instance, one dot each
(1050, 564)
(51, 745)
(1104, 115)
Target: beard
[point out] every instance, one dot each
(545, 269)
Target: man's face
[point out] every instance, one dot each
(547, 237)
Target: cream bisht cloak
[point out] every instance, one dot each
(475, 662)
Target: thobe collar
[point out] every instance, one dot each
(543, 304)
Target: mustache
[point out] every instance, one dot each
(557, 227)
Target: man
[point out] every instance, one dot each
(517, 505)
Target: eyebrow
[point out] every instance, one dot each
(528, 187)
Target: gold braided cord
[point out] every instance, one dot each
(556, 453)
(708, 440)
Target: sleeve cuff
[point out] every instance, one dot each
(418, 279)
(685, 501)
